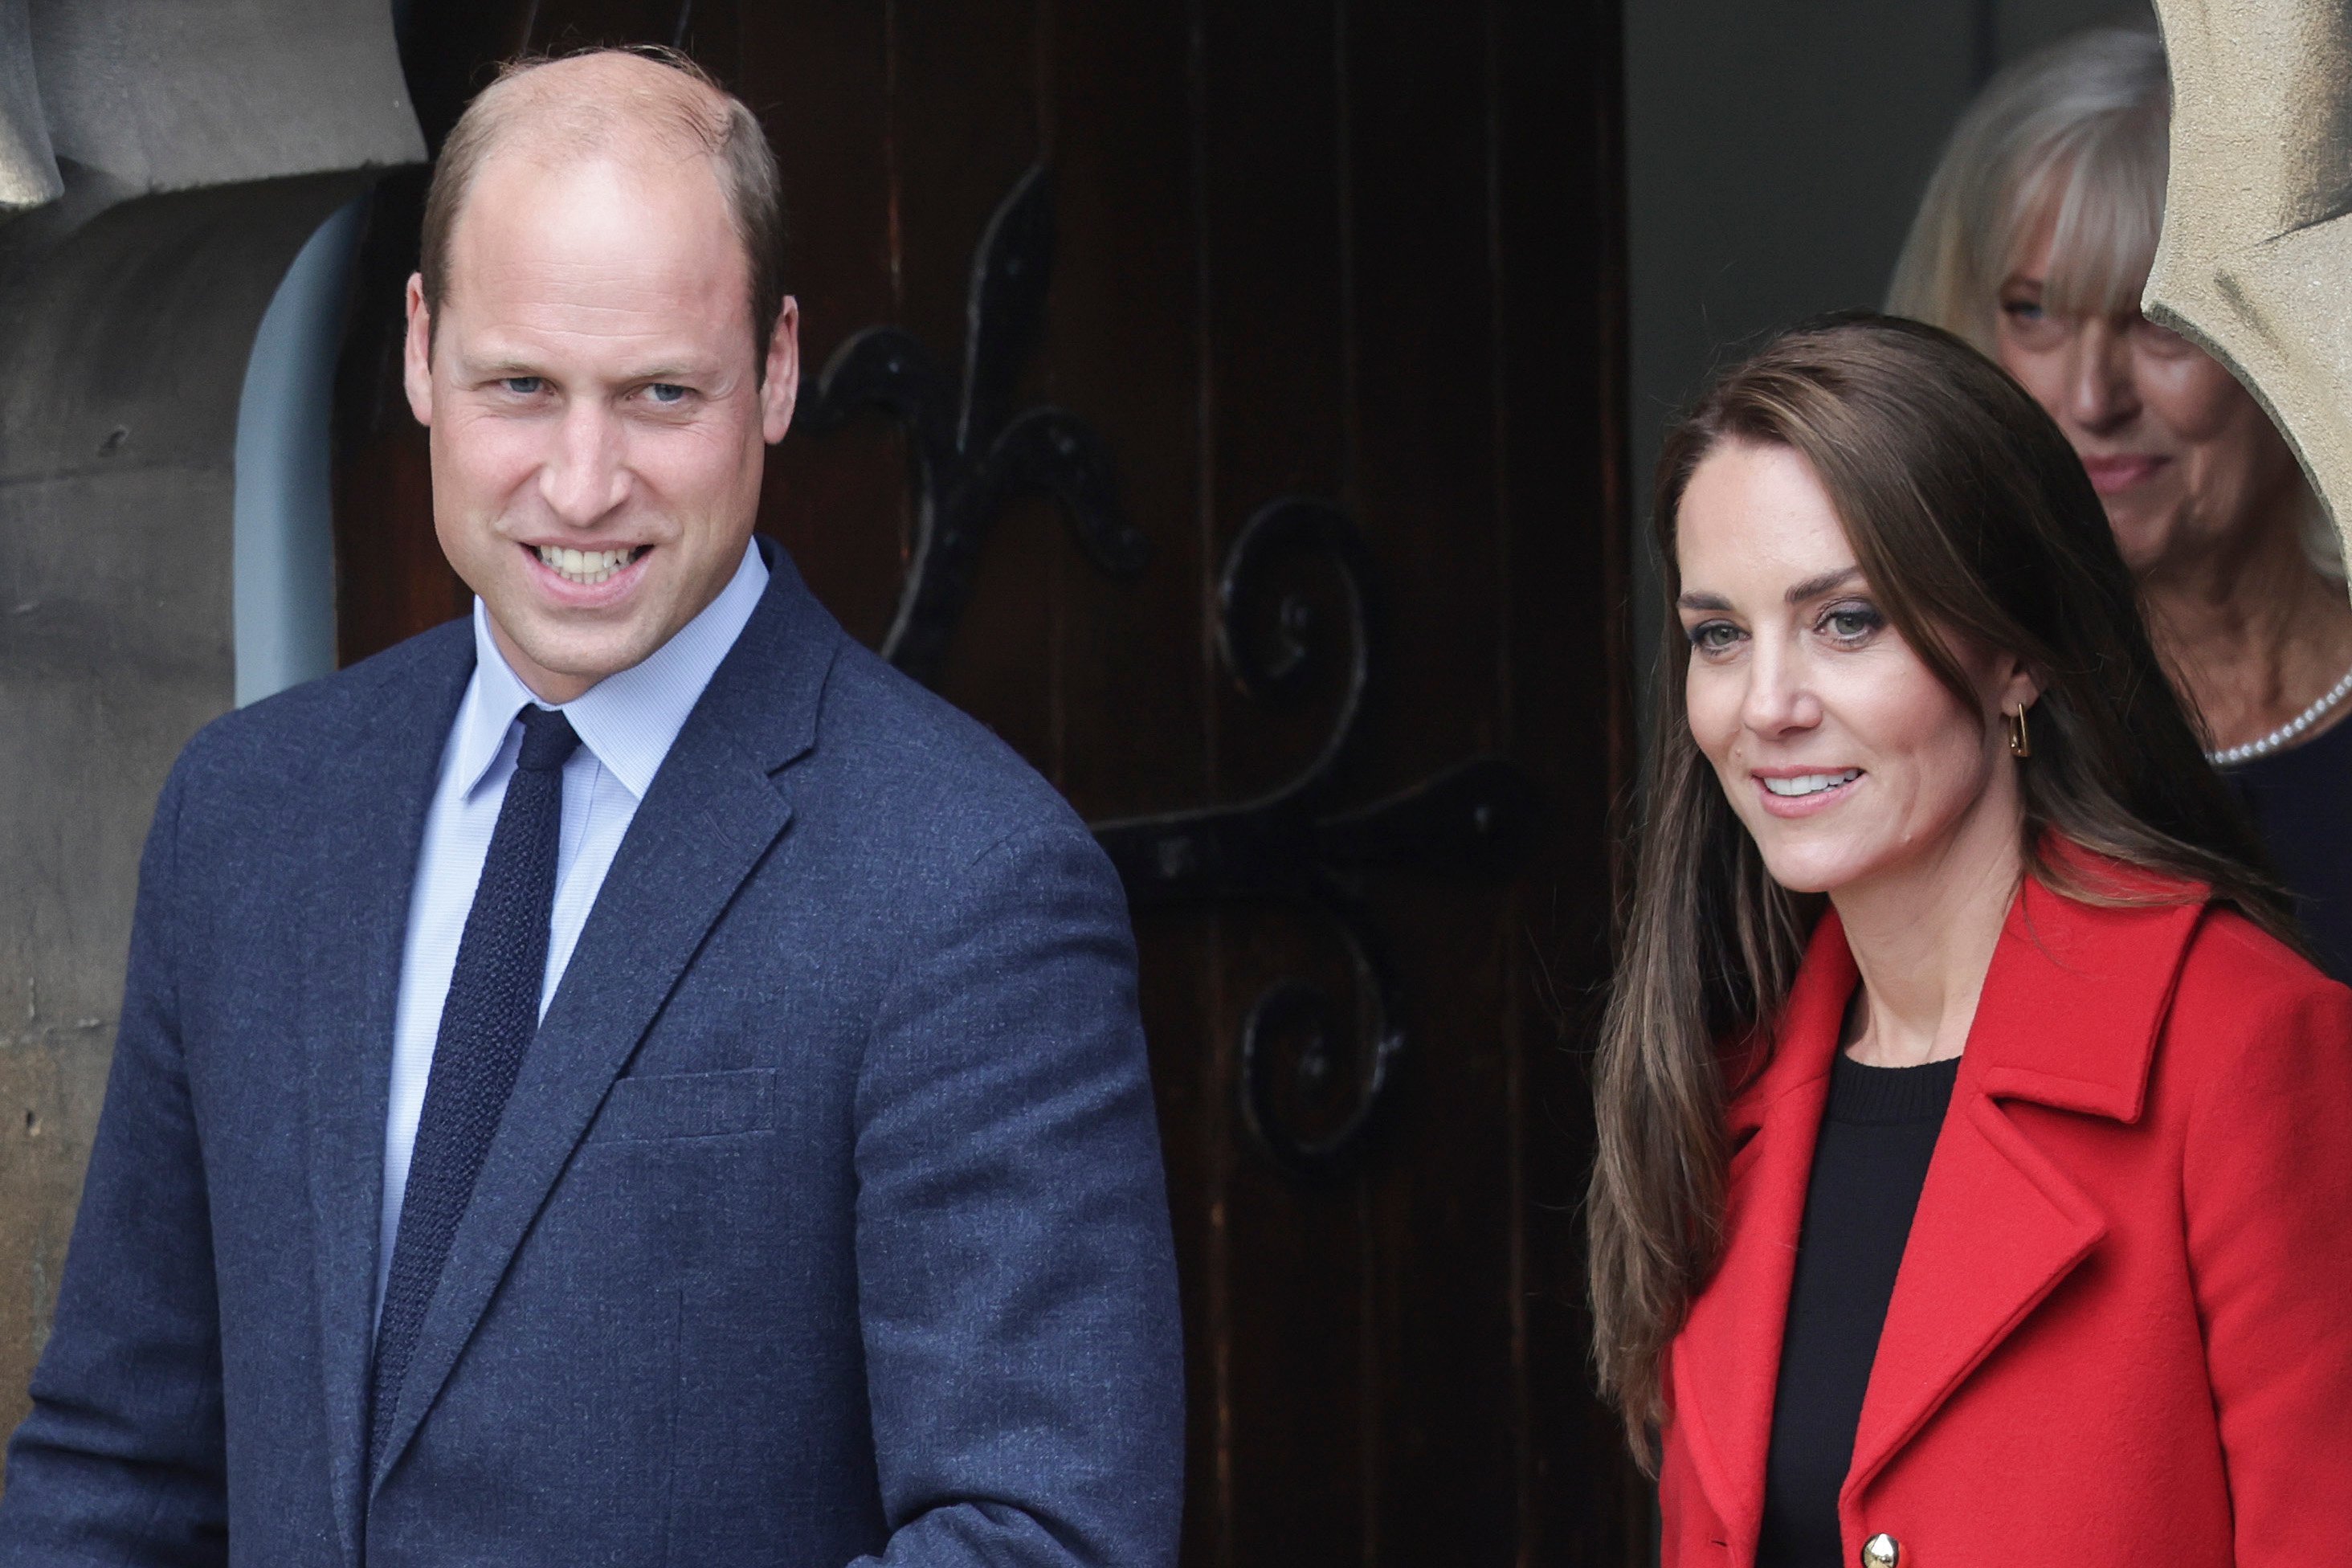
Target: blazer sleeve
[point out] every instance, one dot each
(1016, 1278)
(2267, 1182)
(122, 1461)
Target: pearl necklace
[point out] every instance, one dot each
(2231, 756)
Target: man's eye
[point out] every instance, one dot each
(525, 386)
(666, 393)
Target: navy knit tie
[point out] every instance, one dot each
(487, 1020)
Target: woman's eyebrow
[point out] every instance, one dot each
(1703, 602)
(1814, 587)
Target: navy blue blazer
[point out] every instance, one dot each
(825, 1223)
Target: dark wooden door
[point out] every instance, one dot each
(1222, 401)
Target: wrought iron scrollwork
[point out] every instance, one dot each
(971, 454)
(1294, 846)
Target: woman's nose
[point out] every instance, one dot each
(2101, 395)
(1777, 697)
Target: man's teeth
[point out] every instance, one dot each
(1811, 783)
(585, 567)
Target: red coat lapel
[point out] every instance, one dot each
(1727, 1359)
(2069, 1018)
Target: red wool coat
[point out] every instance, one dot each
(2121, 1333)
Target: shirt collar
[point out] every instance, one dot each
(627, 719)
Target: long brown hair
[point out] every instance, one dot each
(1969, 516)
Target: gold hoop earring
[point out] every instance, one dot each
(2020, 744)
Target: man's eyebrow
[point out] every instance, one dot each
(1814, 587)
(505, 365)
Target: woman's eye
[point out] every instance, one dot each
(1713, 637)
(669, 394)
(2163, 339)
(1850, 623)
(2022, 311)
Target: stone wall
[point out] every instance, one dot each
(194, 149)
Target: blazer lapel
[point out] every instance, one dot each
(1998, 1228)
(1727, 1359)
(2069, 1017)
(375, 783)
(712, 814)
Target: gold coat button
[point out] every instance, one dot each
(1881, 1551)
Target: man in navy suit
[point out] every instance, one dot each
(630, 1079)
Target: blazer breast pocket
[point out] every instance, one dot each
(687, 1105)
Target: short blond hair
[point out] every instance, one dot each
(694, 112)
(2077, 134)
(2081, 126)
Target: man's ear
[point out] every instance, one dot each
(417, 358)
(780, 389)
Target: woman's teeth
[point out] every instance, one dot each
(585, 567)
(1811, 783)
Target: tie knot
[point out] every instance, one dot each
(548, 739)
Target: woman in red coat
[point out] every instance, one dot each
(1975, 1186)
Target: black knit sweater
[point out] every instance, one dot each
(1878, 1133)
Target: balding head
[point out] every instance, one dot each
(642, 107)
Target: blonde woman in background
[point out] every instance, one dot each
(2033, 242)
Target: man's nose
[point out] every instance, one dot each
(584, 477)
(2102, 396)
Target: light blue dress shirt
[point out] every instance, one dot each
(626, 724)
